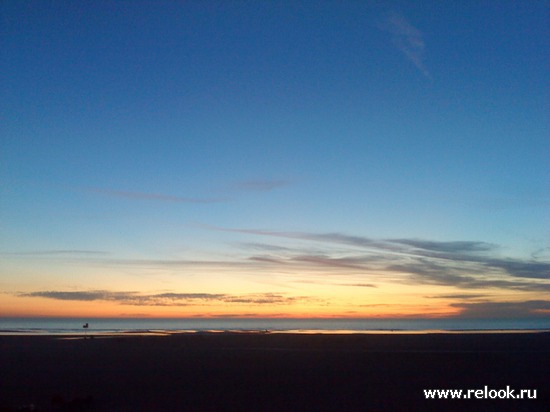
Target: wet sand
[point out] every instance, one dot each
(271, 372)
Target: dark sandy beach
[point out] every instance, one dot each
(271, 372)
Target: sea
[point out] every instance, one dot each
(110, 326)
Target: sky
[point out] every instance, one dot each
(275, 159)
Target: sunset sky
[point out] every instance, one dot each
(275, 158)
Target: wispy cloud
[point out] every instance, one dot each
(464, 276)
(462, 264)
(337, 258)
(448, 247)
(407, 39)
(542, 253)
(166, 299)
(359, 285)
(151, 196)
(459, 296)
(264, 247)
(522, 269)
(261, 185)
(530, 308)
(59, 253)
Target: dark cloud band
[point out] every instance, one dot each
(165, 299)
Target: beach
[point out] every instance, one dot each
(272, 371)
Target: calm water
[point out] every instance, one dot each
(98, 326)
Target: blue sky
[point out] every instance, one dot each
(276, 147)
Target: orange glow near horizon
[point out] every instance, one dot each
(41, 307)
(240, 294)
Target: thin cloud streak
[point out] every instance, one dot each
(133, 298)
(358, 285)
(525, 309)
(59, 253)
(261, 185)
(407, 39)
(152, 196)
(448, 247)
(463, 264)
(459, 296)
(249, 185)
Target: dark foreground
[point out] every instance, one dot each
(271, 372)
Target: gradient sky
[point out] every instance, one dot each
(275, 158)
